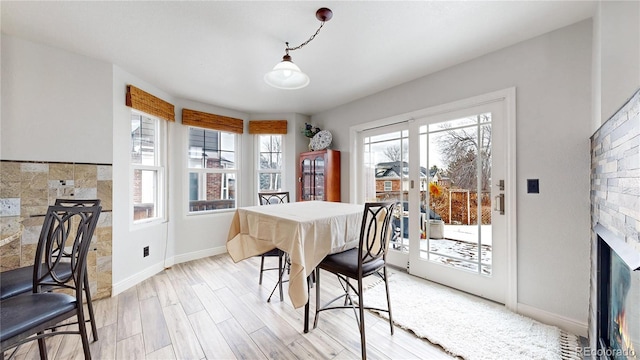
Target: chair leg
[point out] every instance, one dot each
(42, 347)
(347, 297)
(261, 269)
(363, 341)
(386, 285)
(82, 327)
(317, 279)
(92, 318)
(281, 270)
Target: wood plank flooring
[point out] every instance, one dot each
(213, 308)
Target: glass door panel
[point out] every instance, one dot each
(307, 179)
(386, 178)
(464, 243)
(318, 193)
(458, 155)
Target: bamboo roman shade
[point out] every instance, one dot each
(212, 121)
(268, 127)
(145, 102)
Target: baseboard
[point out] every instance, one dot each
(135, 279)
(178, 259)
(564, 323)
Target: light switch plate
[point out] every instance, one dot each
(533, 186)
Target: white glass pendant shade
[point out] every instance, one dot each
(286, 75)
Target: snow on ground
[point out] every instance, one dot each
(460, 243)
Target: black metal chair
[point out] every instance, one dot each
(274, 198)
(19, 281)
(64, 242)
(369, 258)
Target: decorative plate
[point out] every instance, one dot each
(321, 140)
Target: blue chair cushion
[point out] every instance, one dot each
(20, 314)
(346, 263)
(18, 281)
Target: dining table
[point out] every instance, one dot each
(307, 231)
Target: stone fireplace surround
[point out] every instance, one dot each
(615, 190)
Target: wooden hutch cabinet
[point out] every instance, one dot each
(319, 175)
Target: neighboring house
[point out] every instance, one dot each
(392, 177)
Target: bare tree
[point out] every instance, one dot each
(393, 153)
(460, 149)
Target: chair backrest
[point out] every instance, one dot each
(375, 232)
(271, 198)
(77, 202)
(64, 242)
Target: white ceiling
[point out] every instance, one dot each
(217, 52)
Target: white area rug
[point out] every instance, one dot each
(467, 327)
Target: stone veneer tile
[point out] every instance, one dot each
(12, 248)
(34, 167)
(91, 259)
(66, 192)
(33, 221)
(28, 254)
(9, 262)
(104, 244)
(10, 172)
(105, 172)
(105, 194)
(32, 195)
(104, 264)
(85, 172)
(27, 211)
(86, 183)
(9, 207)
(31, 234)
(10, 189)
(34, 180)
(85, 193)
(61, 172)
(104, 220)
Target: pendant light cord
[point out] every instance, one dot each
(304, 43)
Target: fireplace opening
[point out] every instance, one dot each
(618, 300)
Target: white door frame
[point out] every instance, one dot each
(508, 96)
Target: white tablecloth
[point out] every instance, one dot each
(308, 231)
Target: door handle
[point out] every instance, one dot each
(500, 204)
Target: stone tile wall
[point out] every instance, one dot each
(615, 186)
(28, 188)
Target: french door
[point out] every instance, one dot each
(450, 171)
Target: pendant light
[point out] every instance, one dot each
(287, 75)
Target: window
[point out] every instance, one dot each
(388, 186)
(269, 162)
(147, 163)
(212, 170)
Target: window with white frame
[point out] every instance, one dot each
(388, 186)
(147, 167)
(269, 162)
(212, 169)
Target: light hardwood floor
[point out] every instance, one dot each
(214, 309)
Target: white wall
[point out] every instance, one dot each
(619, 54)
(552, 75)
(55, 105)
(196, 236)
(129, 266)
